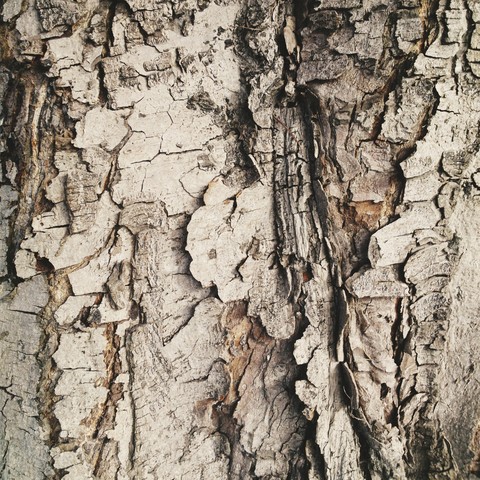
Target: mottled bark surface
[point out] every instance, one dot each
(239, 239)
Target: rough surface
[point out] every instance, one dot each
(238, 239)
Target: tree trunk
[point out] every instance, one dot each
(239, 239)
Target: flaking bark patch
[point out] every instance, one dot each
(238, 239)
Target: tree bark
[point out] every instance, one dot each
(239, 239)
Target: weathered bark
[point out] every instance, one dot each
(239, 239)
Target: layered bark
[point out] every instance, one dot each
(239, 239)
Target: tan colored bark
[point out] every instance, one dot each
(238, 239)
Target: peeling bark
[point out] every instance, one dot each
(238, 239)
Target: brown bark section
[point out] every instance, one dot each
(239, 239)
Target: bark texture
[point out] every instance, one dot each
(239, 239)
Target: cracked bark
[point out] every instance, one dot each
(239, 240)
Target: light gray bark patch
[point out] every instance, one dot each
(238, 239)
